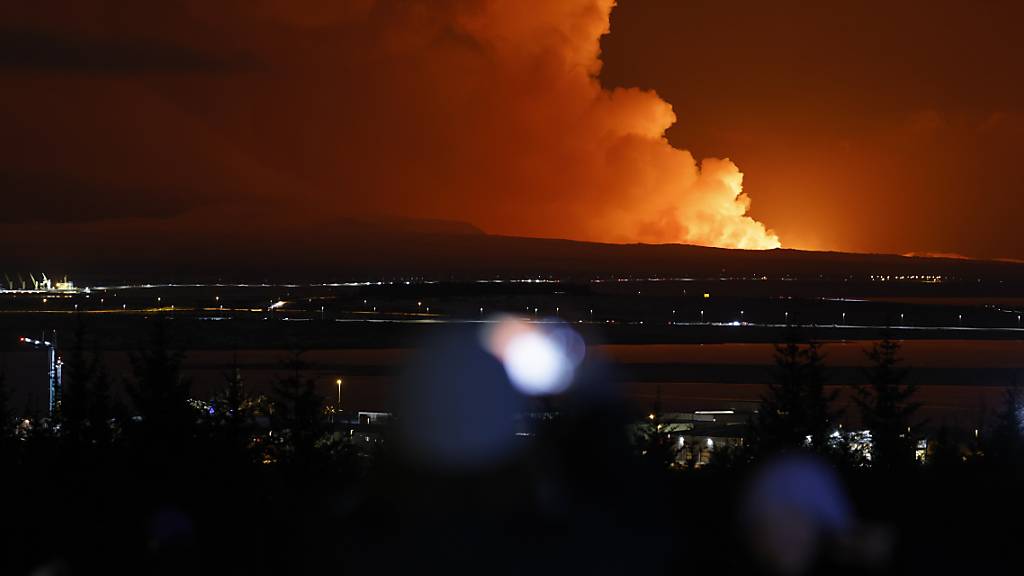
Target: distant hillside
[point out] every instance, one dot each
(425, 226)
(357, 249)
(509, 256)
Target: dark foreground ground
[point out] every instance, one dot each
(580, 495)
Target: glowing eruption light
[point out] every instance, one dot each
(487, 112)
(590, 162)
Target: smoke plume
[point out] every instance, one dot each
(519, 136)
(216, 122)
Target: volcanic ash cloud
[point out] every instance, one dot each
(541, 147)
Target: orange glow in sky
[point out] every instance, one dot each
(744, 125)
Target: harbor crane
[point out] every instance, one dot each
(41, 284)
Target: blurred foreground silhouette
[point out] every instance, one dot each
(508, 451)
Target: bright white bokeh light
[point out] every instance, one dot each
(539, 360)
(536, 365)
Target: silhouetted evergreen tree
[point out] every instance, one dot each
(797, 411)
(298, 412)
(944, 452)
(233, 413)
(79, 371)
(230, 403)
(6, 416)
(886, 406)
(1004, 445)
(100, 412)
(158, 390)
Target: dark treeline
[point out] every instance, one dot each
(161, 483)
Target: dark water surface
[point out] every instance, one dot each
(960, 379)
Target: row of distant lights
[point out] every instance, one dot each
(537, 280)
(918, 278)
(279, 304)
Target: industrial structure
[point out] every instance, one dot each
(42, 284)
(55, 369)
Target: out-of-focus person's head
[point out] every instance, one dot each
(793, 507)
(456, 406)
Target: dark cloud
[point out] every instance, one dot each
(38, 51)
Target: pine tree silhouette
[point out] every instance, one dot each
(886, 407)
(79, 371)
(233, 416)
(158, 390)
(298, 412)
(944, 453)
(6, 417)
(1004, 445)
(797, 411)
(100, 413)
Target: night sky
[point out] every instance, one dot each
(861, 126)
